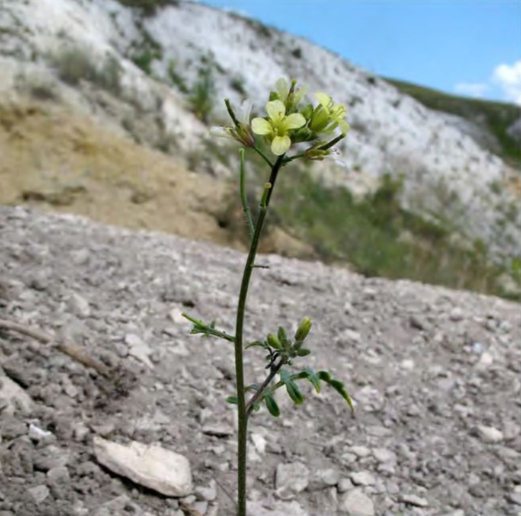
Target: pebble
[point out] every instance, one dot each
(356, 503)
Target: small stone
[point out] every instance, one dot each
(39, 493)
(208, 494)
(323, 478)
(514, 498)
(489, 434)
(408, 365)
(360, 451)
(13, 396)
(151, 466)
(79, 306)
(362, 478)
(356, 503)
(259, 442)
(456, 314)
(139, 349)
(384, 455)
(344, 485)
(414, 500)
(291, 479)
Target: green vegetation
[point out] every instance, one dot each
(76, 64)
(202, 99)
(147, 52)
(175, 78)
(495, 117)
(148, 7)
(379, 238)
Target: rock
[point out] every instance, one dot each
(489, 434)
(291, 479)
(208, 494)
(514, 498)
(14, 398)
(259, 442)
(414, 500)
(356, 503)
(323, 478)
(362, 478)
(360, 451)
(139, 349)
(456, 314)
(151, 466)
(383, 455)
(275, 509)
(37, 434)
(39, 493)
(344, 485)
(79, 306)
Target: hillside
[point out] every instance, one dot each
(148, 76)
(435, 375)
(496, 120)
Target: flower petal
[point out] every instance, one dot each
(261, 126)
(324, 99)
(280, 145)
(245, 111)
(294, 121)
(276, 110)
(282, 88)
(299, 95)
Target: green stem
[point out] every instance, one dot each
(260, 391)
(239, 364)
(263, 156)
(244, 199)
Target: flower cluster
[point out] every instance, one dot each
(290, 120)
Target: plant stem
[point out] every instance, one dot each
(258, 394)
(244, 199)
(239, 364)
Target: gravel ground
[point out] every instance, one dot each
(435, 374)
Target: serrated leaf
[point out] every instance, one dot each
(294, 393)
(271, 405)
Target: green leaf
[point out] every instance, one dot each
(303, 352)
(271, 405)
(257, 343)
(338, 386)
(294, 393)
(233, 400)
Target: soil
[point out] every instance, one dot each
(435, 375)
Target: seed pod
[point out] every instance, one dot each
(303, 330)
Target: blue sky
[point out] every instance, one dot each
(470, 47)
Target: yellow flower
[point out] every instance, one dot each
(288, 94)
(278, 126)
(328, 115)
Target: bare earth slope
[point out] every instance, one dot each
(435, 375)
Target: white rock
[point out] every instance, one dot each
(356, 503)
(323, 478)
(139, 349)
(360, 451)
(456, 314)
(208, 494)
(39, 493)
(259, 442)
(14, 396)
(490, 434)
(79, 306)
(37, 434)
(291, 479)
(384, 455)
(275, 509)
(362, 478)
(151, 466)
(417, 501)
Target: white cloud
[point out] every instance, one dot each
(476, 90)
(509, 79)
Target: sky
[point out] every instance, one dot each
(465, 47)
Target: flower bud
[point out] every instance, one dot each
(274, 342)
(303, 330)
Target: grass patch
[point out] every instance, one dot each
(148, 50)
(378, 237)
(202, 99)
(495, 117)
(76, 64)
